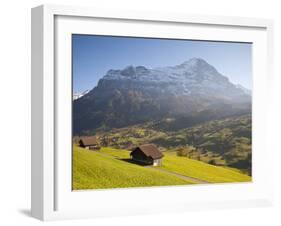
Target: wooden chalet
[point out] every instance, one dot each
(90, 142)
(147, 154)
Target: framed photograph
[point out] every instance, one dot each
(137, 112)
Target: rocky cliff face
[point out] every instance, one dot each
(193, 90)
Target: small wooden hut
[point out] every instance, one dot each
(147, 154)
(90, 142)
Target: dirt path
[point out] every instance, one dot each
(192, 179)
(195, 180)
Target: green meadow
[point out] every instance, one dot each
(111, 168)
(95, 170)
(201, 170)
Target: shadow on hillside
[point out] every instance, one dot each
(134, 162)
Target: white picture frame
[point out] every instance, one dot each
(52, 197)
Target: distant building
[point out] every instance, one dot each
(90, 142)
(147, 154)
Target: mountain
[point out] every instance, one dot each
(245, 90)
(79, 95)
(193, 77)
(189, 93)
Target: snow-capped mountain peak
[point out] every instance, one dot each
(194, 76)
(191, 89)
(79, 95)
(193, 62)
(245, 90)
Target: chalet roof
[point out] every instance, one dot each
(150, 150)
(88, 141)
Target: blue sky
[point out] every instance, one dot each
(94, 55)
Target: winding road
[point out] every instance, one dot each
(192, 179)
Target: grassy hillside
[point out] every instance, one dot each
(95, 170)
(201, 170)
(189, 167)
(118, 153)
(224, 142)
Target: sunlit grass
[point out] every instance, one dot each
(200, 170)
(191, 168)
(94, 170)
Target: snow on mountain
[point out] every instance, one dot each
(79, 95)
(191, 92)
(245, 90)
(194, 76)
(183, 72)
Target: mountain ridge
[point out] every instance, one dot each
(137, 94)
(192, 76)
